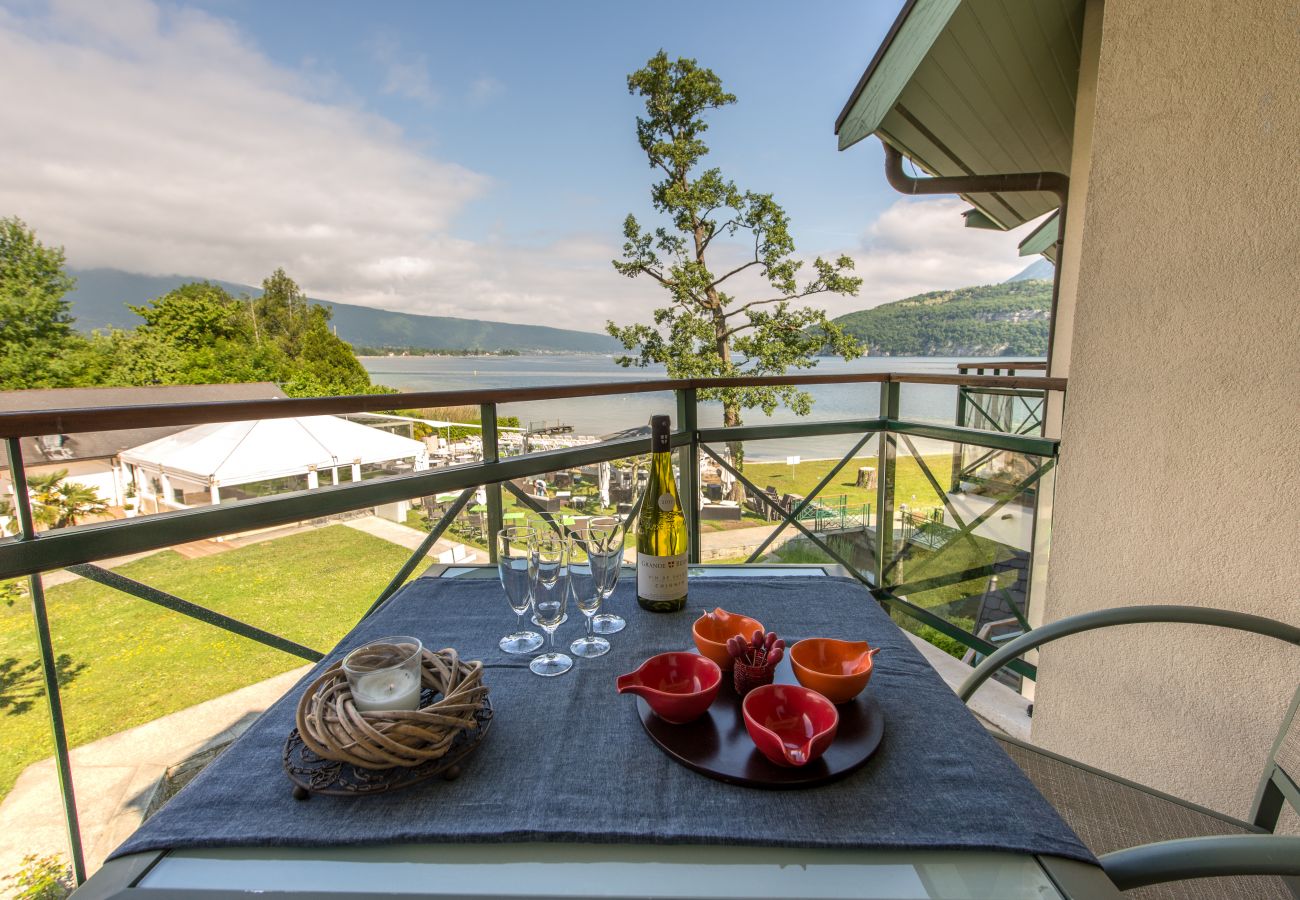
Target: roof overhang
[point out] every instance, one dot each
(1043, 238)
(976, 88)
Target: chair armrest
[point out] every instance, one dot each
(1125, 615)
(1203, 857)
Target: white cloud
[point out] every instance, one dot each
(160, 140)
(481, 90)
(406, 76)
(917, 246)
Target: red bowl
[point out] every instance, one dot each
(679, 687)
(790, 725)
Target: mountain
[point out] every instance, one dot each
(990, 320)
(101, 296)
(1039, 269)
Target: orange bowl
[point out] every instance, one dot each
(712, 630)
(838, 670)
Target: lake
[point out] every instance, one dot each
(604, 415)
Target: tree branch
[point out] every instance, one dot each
(799, 296)
(752, 262)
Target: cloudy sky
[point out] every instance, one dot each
(448, 158)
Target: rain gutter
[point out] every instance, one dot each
(1014, 183)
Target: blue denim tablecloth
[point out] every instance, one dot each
(567, 759)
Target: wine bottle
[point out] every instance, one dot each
(661, 540)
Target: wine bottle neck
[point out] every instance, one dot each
(661, 473)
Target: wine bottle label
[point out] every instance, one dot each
(661, 577)
(666, 502)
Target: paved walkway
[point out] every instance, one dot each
(411, 538)
(115, 777)
(741, 541)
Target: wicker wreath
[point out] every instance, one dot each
(332, 727)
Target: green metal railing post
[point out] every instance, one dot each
(49, 665)
(491, 454)
(890, 405)
(687, 421)
(959, 450)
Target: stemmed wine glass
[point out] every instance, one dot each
(549, 600)
(605, 549)
(518, 570)
(585, 583)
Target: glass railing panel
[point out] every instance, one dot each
(540, 425)
(124, 661)
(958, 548)
(735, 522)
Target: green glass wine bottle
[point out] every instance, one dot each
(661, 540)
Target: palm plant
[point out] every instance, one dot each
(57, 503)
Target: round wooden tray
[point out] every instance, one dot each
(717, 744)
(311, 774)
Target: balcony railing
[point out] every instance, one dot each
(935, 572)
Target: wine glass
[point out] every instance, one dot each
(549, 600)
(585, 585)
(605, 548)
(542, 528)
(518, 571)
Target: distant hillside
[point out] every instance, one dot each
(101, 297)
(990, 320)
(1040, 268)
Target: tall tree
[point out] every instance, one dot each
(35, 324)
(706, 330)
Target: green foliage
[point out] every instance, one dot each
(35, 325)
(197, 333)
(57, 503)
(11, 591)
(41, 878)
(706, 331)
(990, 320)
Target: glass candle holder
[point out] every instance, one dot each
(385, 674)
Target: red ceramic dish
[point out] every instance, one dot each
(679, 687)
(711, 631)
(838, 670)
(790, 725)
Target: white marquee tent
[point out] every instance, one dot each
(224, 454)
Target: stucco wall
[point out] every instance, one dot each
(1180, 472)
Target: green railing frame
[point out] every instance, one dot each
(1035, 420)
(76, 548)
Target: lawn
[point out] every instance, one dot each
(911, 486)
(125, 661)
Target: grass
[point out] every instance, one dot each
(913, 489)
(911, 485)
(125, 661)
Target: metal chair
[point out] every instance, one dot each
(1145, 839)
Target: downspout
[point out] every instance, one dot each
(1020, 182)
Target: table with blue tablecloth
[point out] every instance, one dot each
(567, 762)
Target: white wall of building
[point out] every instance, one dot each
(1179, 480)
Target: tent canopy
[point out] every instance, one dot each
(227, 453)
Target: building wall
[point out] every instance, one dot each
(1180, 472)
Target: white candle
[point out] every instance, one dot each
(390, 689)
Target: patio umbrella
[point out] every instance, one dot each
(728, 480)
(602, 483)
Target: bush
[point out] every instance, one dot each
(41, 878)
